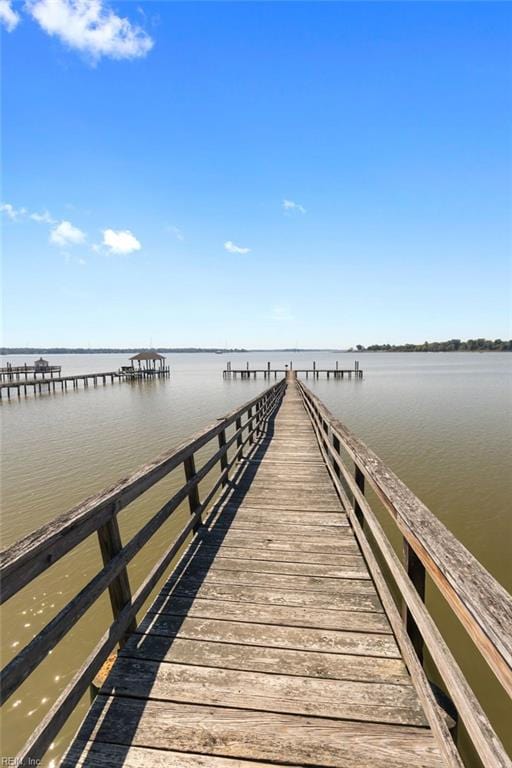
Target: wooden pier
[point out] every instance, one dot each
(18, 372)
(52, 384)
(275, 639)
(314, 371)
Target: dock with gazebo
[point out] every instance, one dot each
(148, 364)
(40, 368)
(144, 365)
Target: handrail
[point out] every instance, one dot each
(32, 555)
(477, 599)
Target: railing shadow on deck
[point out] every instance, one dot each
(185, 582)
(21, 563)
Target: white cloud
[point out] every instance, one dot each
(91, 27)
(43, 218)
(290, 205)
(11, 212)
(176, 231)
(66, 234)
(232, 248)
(120, 242)
(8, 16)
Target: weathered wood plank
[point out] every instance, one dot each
(344, 699)
(352, 571)
(272, 660)
(254, 511)
(87, 754)
(272, 614)
(260, 736)
(283, 556)
(275, 528)
(249, 594)
(271, 636)
(293, 542)
(303, 583)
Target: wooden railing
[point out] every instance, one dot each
(31, 556)
(480, 603)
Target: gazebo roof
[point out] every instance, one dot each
(41, 360)
(147, 356)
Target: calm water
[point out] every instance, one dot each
(442, 422)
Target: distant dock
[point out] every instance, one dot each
(16, 373)
(15, 379)
(268, 372)
(35, 386)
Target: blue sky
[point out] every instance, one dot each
(255, 174)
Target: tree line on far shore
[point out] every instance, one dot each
(453, 345)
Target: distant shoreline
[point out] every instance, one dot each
(503, 346)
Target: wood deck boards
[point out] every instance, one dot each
(269, 644)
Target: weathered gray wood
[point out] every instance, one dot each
(478, 600)
(223, 458)
(303, 583)
(271, 636)
(273, 660)
(120, 593)
(64, 705)
(485, 740)
(416, 572)
(276, 528)
(273, 614)
(86, 754)
(284, 556)
(261, 736)
(291, 541)
(344, 699)
(248, 512)
(352, 571)
(341, 601)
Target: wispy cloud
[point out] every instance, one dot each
(12, 213)
(233, 248)
(280, 312)
(120, 242)
(43, 218)
(290, 206)
(91, 27)
(65, 234)
(8, 16)
(176, 231)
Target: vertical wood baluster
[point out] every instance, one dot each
(109, 538)
(224, 457)
(416, 572)
(193, 496)
(359, 477)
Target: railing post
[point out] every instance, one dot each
(109, 538)
(249, 416)
(224, 457)
(359, 478)
(416, 572)
(193, 497)
(337, 448)
(239, 438)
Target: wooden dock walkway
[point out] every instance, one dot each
(271, 645)
(275, 640)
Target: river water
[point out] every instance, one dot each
(441, 421)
